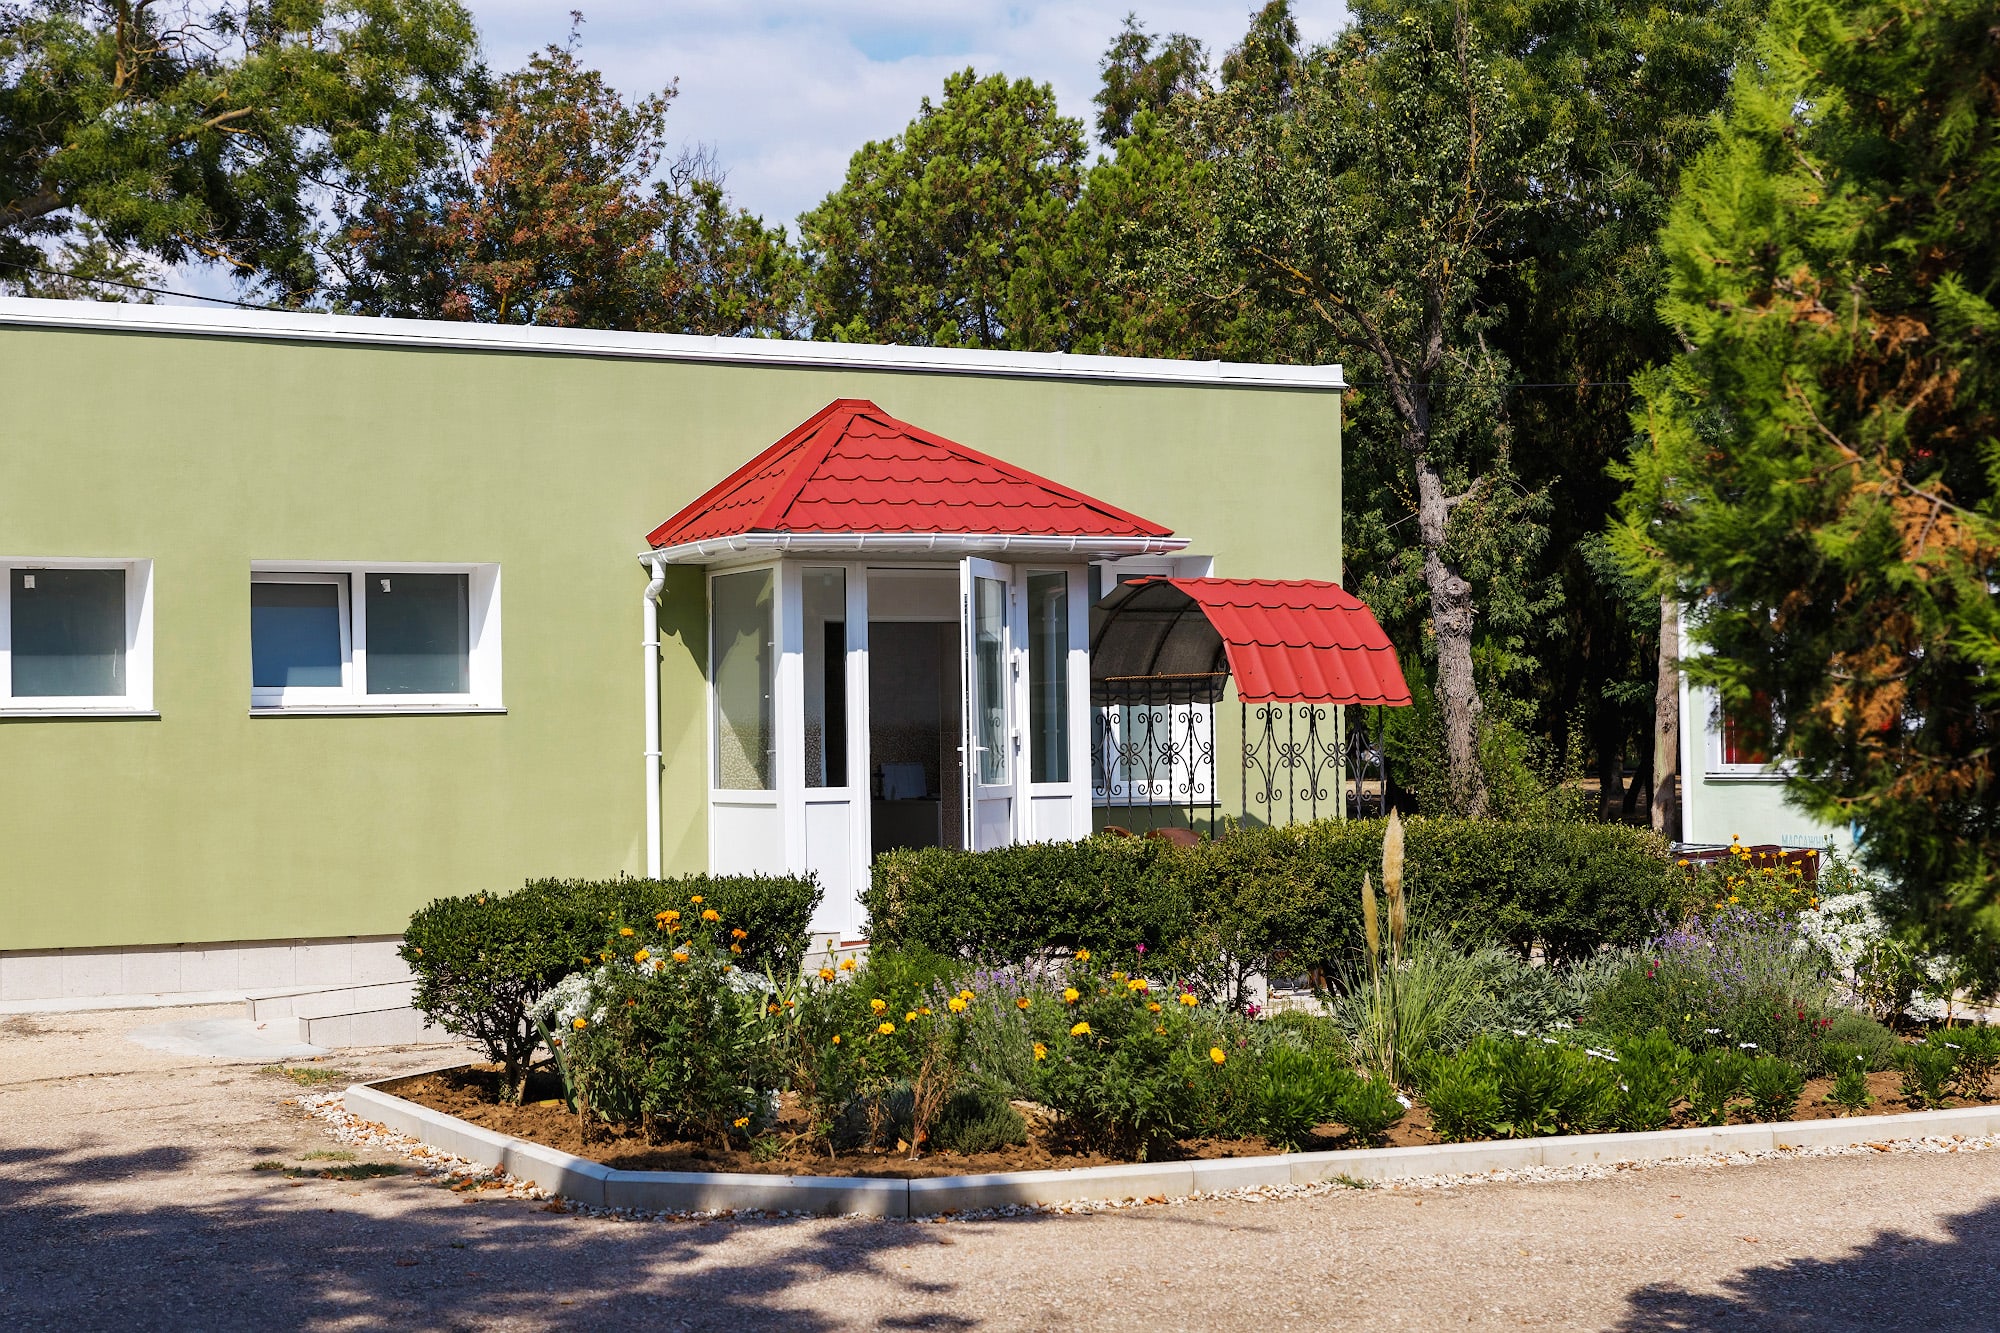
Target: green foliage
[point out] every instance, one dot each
(1774, 1086)
(1463, 1096)
(1226, 907)
(1977, 1057)
(921, 243)
(222, 132)
(669, 1034)
(1652, 1074)
(1927, 1070)
(1718, 1077)
(1370, 1108)
(558, 213)
(1297, 1091)
(979, 1119)
(1817, 472)
(1850, 1080)
(1877, 1046)
(482, 961)
(1518, 1088)
(1442, 997)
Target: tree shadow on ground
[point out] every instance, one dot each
(1894, 1281)
(163, 1249)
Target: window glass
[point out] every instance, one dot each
(989, 638)
(741, 634)
(68, 632)
(419, 634)
(824, 594)
(295, 636)
(1048, 675)
(1746, 735)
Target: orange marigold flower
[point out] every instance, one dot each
(966, 995)
(826, 974)
(1153, 1008)
(739, 934)
(1023, 1002)
(847, 964)
(1041, 1051)
(878, 1005)
(710, 914)
(1118, 976)
(736, 948)
(624, 930)
(910, 1017)
(1080, 1030)
(1083, 955)
(696, 900)
(1215, 1054)
(1070, 995)
(957, 1005)
(742, 1120)
(1136, 984)
(580, 1024)
(1187, 998)
(680, 955)
(886, 1028)
(641, 956)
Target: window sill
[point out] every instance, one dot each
(377, 710)
(1743, 775)
(14, 714)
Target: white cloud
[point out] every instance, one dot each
(786, 90)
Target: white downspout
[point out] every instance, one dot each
(650, 605)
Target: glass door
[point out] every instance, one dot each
(991, 674)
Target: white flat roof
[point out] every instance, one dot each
(302, 326)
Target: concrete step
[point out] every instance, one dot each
(326, 1001)
(397, 1026)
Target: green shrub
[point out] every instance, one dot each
(1214, 911)
(482, 961)
(1978, 1056)
(1443, 996)
(1463, 1096)
(1850, 1078)
(1297, 1092)
(1518, 1088)
(668, 1033)
(1651, 1072)
(978, 1119)
(1370, 1108)
(1718, 1077)
(1774, 1086)
(1878, 1047)
(1927, 1071)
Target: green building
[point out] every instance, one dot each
(310, 619)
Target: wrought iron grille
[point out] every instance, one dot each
(1301, 763)
(1153, 750)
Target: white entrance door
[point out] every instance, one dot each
(989, 616)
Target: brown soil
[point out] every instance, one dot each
(471, 1093)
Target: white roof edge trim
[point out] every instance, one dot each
(306, 326)
(715, 550)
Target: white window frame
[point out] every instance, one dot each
(1713, 765)
(138, 697)
(483, 655)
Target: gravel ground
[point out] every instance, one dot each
(128, 1199)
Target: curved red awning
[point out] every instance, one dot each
(1283, 640)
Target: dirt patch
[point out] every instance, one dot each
(472, 1094)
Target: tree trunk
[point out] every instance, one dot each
(1667, 724)
(1451, 621)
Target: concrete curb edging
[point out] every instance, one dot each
(599, 1186)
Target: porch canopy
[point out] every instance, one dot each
(853, 481)
(1284, 640)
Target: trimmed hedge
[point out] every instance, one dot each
(483, 960)
(1567, 888)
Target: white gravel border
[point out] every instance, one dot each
(466, 1157)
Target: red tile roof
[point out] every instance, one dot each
(853, 468)
(1299, 641)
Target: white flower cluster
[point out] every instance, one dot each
(572, 998)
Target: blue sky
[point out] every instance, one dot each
(786, 90)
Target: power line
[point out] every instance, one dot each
(137, 286)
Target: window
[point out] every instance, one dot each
(374, 638)
(1048, 675)
(824, 594)
(741, 649)
(1740, 740)
(76, 636)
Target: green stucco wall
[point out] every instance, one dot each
(205, 453)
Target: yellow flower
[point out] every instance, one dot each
(1732, 897)
(604, 958)
(624, 930)
(641, 956)
(1041, 1051)
(680, 955)
(1083, 955)
(736, 948)
(966, 995)
(742, 1120)
(1023, 1002)
(836, 1039)
(1812, 902)
(878, 1005)
(739, 934)
(1069, 995)
(925, 1011)
(710, 914)
(1118, 976)
(1080, 1030)
(910, 1017)
(1137, 984)
(957, 1005)
(667, 916)
(1187, 998)
(1153, 1008)
(1684, 860)
(847, 964)
(1215, 1054)
(580, 1024)
(826, 974)
(886, 1028)
(696, 900)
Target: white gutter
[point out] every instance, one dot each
(915, 545)
(650, 605)
(308, 326)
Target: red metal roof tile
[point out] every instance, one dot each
(853, 468)
(1299, 641)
